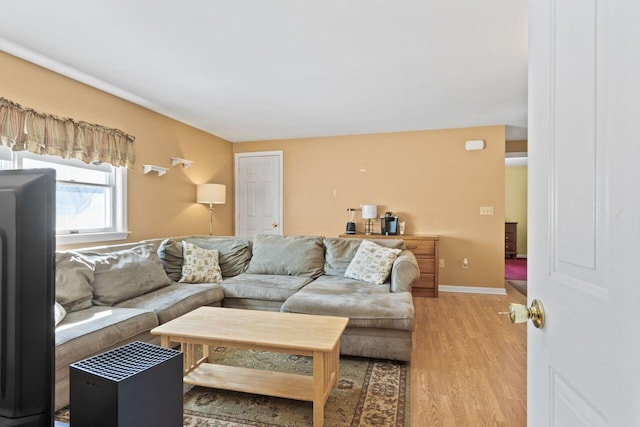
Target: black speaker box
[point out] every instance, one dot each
(135, 385)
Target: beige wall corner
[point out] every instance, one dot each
(425, 177)
(158, 206)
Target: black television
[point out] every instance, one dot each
(27, 278)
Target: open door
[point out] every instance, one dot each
(584, 215)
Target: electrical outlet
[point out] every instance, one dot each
(486, 210)
(465, 264)
(441, 262)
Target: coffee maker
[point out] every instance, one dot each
(389, 224)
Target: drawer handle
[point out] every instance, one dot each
(412, 247)
(507, 238)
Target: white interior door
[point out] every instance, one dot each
(584, 212)
(258, 193)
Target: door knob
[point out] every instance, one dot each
(274, 225)
(519, 313)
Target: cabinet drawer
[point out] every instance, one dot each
(509, 237)
(427, 265)
(425, 281)
(421, 247)
(509, 247)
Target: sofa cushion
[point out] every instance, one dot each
(372, 263)
(74, 274)
(252, 304)
(85, 332)
(404, 272)
(125, 274)
(176, 299)
(58, 313)
(233, 253)
(366, 305)
(340, 251)
(263, 287)
(287, 255)
(377, 343)
(199, 265)
(170, 253)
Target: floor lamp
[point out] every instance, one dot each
(213, 194)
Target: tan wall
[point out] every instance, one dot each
(515, 208)
(158, 206)
(426, 177)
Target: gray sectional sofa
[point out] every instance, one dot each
(116, 294)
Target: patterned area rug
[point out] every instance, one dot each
(370, 392)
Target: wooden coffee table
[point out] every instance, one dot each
(300, 334)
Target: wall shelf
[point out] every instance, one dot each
(153, 168)
(178, 161)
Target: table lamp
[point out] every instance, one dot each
(369, 213)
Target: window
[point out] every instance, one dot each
(90, 199)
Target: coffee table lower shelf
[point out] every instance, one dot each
(269, 383)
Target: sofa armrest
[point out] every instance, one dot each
(404, 272)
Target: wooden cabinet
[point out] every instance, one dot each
(426, 249)
(510, 239)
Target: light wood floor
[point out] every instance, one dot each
(469, 364)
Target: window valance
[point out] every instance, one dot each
(26, 129)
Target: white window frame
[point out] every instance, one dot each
(118, 230)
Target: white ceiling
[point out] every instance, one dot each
(254, 69)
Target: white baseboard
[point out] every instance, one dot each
(521, 255)
(472, 290)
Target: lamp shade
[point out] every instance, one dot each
(212, 193)
(369, 211)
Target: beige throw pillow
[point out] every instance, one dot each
(372, 263)
(199, 265)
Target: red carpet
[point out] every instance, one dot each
(515, 269)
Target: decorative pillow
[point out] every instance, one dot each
(287, 255)
(372, 263)
(74, 274)
(58, 313)
(199, 265)
(128, 273)
(170, 253)
(339, 251)
(233, 254)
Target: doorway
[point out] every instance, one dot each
(516, 206)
